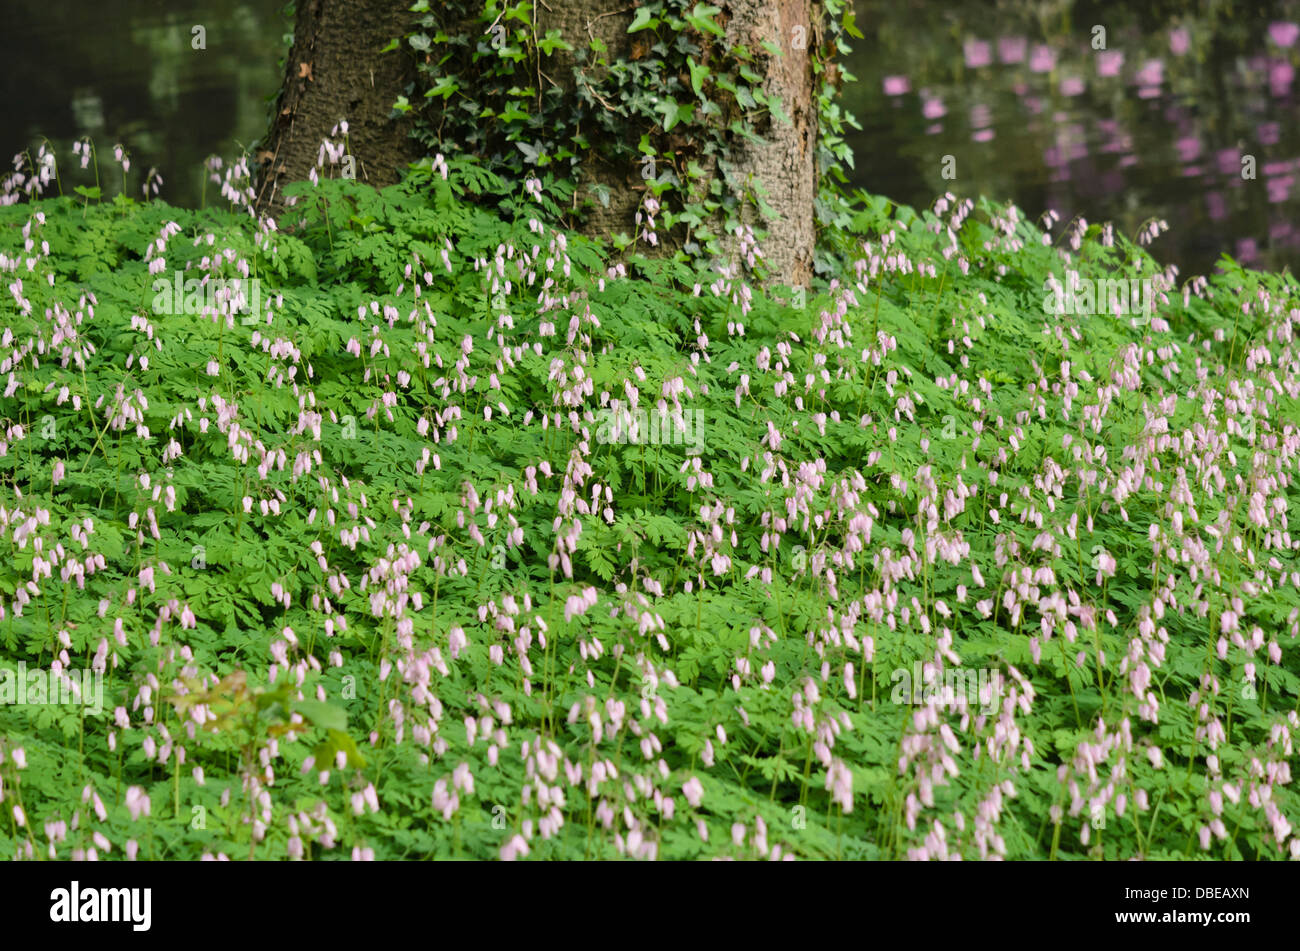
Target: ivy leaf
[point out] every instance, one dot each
(531, 152)
(642, 20)
(444, 87)
(699, 73)
(674, 112)
(553, 41)
(701, 18)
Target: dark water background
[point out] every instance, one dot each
(1155, 125)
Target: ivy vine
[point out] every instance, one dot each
(675, 108)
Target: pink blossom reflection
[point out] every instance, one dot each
(1188, 147)
(1152, 73)
(896, 85)
(1283, 34)
(1280, 75)
(1216, 206)
(1011, 49)
(1109, 62)
(978, 53)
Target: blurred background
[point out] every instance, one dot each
(1153, 125)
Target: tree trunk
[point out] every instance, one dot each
(335, 71)
(786, 164)
(581, 22)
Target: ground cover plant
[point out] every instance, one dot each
(416, 527)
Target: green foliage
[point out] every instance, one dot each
(383, 564)
(672, 113)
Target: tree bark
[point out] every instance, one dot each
(786, 164)
(581, 22)
(335, 71)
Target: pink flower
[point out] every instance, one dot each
(896, 85)
(693, 790)
(513, 849)
(1042, 60)
(1011, 49)
(137, 801)
(978, 53)
(1283, 33)
(1152, 73)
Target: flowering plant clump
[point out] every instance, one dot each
(938, 572)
